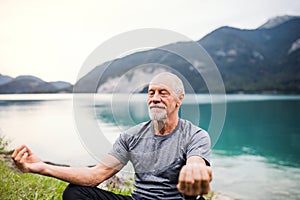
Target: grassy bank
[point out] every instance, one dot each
(22, 186)
(16, 185)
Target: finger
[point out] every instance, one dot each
(22, 163)
(20, 154)
(205, 180)
(209, 173)
(197, 172)
(189, 180)
(17, 150)
(28, 151)
(189, 174)
(24, 157)
(181, 179)
(205, 188)
(197, 179)
(204, 173)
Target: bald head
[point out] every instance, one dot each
(170, 81)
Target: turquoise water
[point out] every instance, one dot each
(267, 128)
(255, 156)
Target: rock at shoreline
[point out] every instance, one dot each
(220, 196)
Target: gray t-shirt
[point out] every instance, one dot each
(157, 160)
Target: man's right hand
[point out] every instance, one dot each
(26, 161)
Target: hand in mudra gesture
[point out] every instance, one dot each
(194, 179)
(26, 161)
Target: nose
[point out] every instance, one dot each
(155, 98)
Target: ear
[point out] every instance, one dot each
(180, 100)
(181, 97)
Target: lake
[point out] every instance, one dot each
(255, 138)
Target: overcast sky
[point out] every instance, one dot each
(51, 39)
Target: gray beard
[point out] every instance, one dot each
(157, 116)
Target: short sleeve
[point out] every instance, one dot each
(199, 145)
(120, 149)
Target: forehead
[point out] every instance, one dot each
(160, 86)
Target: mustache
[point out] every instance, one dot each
(158, 105)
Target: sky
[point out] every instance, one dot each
(52, 39)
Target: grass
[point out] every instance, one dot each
(22, 186)
(124, 188)
(3, 143)
(16, 185)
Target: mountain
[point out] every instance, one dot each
(4, 79)
(262, 60)
(61, 85)
(31, 84)
(276, 21)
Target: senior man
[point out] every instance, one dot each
(170, 155)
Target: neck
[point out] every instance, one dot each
(164, 127)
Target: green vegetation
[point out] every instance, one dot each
(3, 144)
(119, 186)
(16, 185)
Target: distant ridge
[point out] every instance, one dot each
(31, 84)
(262, 60)
(271, 23)
(4, 79)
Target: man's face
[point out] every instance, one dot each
(162, 102)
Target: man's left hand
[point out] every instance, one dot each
(194, 179)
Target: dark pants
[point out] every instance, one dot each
(75, 192)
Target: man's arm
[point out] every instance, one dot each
(26, 161)
(194, 177)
